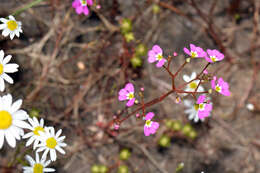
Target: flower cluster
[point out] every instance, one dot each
(14, 120)
(201, 107)
(197, 52)
(127, 93)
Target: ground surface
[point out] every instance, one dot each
(81, 101)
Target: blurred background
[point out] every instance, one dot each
(72, 67)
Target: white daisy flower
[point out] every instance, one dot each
(34, 135)
(192, 110)
(193, 85)
(11, 27)
(37, 166)
(11, 120)
(6, 68)
(50, 142)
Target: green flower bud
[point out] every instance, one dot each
(126, 26)
(156, 9)
(95, 169)
(192, 134)
(186, 129)
(141, 50)
(164, 141)
(136, 61)
(179, 167)
(103, 169)
(176, 126)
(122, 169)
(124, 154)
(34, 113)
(169, 123)
(129, 37)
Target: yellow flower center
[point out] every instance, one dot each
(1, 69)
(12, 25)
(37, 168)
(201, 106)
(37, 129)
(148, 123)
(51, 143)
(5, 120)
(193, 85)
(131, 96)
(193, 54)
(196, 107)
(84, 2)
(218, 88)
(213, 58)
(159, 57)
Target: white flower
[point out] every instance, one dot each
(11, 27)
(34, 135)
(193, 85)
(50, 142)
(6, 68)
(37, 166)
(192, 111)
(11, 120)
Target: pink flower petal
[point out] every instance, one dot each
(193, 47)
(157, 49)
(160, 63)
(213, 83)
(149, 116)
(129, 87)
(201, 99)
(122, 97)
(186, 51)
(155, 125)
(123, 92)
(130, 102)
(79, 9)
(76, 3)
(89, 2)
(85, 10)
(146, 131)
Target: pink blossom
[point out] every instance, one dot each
(127, 93)
(214, 55)
(81, 6)
(116, 126)
(156, 54)
(204, 107)
(150, 127)
(195, 52)
(175, 54)
(221, 86)
(205, 71)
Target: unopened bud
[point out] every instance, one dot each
(188, 60)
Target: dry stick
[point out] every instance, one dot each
(46, 67)
(253, 61)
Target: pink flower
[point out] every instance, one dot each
(195, 52)
(150, 126)
(156, 55)
(81, 6)
(127, 93)
(214, 55)
(221, 87)
(204, 108)
(175, 54)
